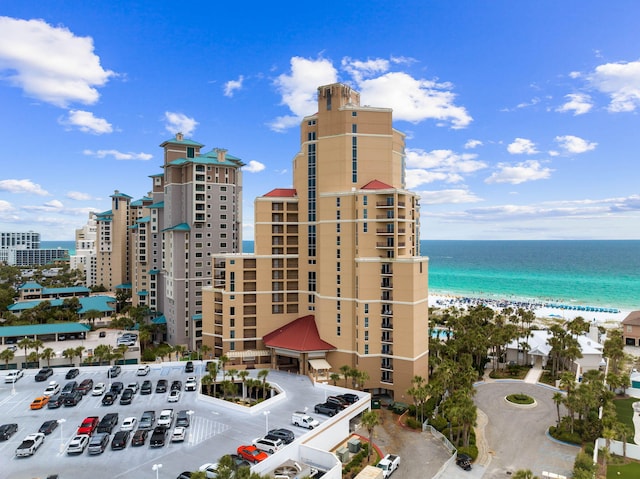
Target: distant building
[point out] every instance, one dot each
(631, 329)
(23, 249)
(85, 258)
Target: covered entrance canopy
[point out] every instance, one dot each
(300, 340)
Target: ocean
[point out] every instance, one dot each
(588, 273)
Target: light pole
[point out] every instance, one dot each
(61, 422)
(266, 418)
(190, 413)
(156, 467)
(13, 386)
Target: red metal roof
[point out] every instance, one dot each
(377, 185)
(299, 335)
(283, 192)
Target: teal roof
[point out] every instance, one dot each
(179, 227)
(124, 286)
(31, 285)
(197, 317)
(154, 271)
(159, 320)
(207, 160)
(72, 289)
(156, 175)
(184, 141)
(159, 204)
(100, 303)
(120, 195)
(141, 201)
(144, 219)
(31, 329)
(142, 293)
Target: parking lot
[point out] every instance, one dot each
(213, 432)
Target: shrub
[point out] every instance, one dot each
(439, 423)
(520, 399)
(585, 462)
(471, 450)
(148, 355)
(413, 423)
(565, 436)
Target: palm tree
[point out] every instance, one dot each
(370, 420)
(25, 343)
(37, 344)
(92, 315)
(207, 380)
(7, 355)
(222, 360)
(262, 375)
(204, 349)
(79, 350)
(69, 354)
(47, 354)
(346, 372)
(558, 398)
(524, 474)
(334, 377)
(102, 352)
(243, 377)
(33, 358)
(179, 349)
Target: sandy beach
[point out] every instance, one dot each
(607, 317)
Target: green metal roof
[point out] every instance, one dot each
(144, 219)
(179, 227)
(124, 286)
(100, 303)
(207, 160)
(31, 285)
(72, 289)
(141, 201)
(120, 195)
(159, 204)
(184, 141)
(154, 271)
(31, 329)
(197, 317)
(142, 293)
(159, 320)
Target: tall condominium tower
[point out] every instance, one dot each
(337, 277)
(85, 257)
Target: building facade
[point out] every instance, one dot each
(341, 246)
(85, 258)
(23, 249)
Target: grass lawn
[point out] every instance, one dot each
(628, 471)
(625, 414)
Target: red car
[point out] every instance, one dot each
(88, 425)
(252, 454)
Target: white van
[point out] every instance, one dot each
(304, 420)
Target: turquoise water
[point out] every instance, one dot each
(594, 273)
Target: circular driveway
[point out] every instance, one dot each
(516, 436)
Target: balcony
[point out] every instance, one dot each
(387, 324)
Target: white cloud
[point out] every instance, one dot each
(253, 167)
(22, 186)
(453, 196)
(574, 144)
(179, 123)
(118, 155)
(519, 173)
(415, 178)
(86, 122)
(79, 196)
(470, 144)
(578, 103)
(5, 207)
(298, 89)
(359, 69)
(621, 82)
(233, 85)
(522, 146)
(439, 165)
(414, 100)
(50, 63)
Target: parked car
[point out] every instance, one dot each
(338, 401)
(268, 444)
(143, 370)
(188, 368)
(78, 444)
(88, 425)
(102, 334)
(139, 437)
(72, 399)
(182, 418)
(147, 420)
(389, 464)
(114, 371)
(176, 385)
(39, 402)
(13, 376)
(8, 430)
(285, 435)
(238, 461)
(99, 389)
(330, 409)
(55, 401)
(191, 384)
(120, 440)
(134, 386)
(70, 387)
(127, 396)
(98, 443)
(129, 424)
(116, 387)
(146, 387)
(72, 373)
(85, 386)
(30, 445)
(158, 437)
(166, 418)
(210, 470)
(252, 454)
(174, 396)
(179, 433)
(302, 419)
(48, 427)
(464, 461)
(109, 398)
(161, 387)
(44, 374)
(349, 397)
(52, 389)
(108, 422)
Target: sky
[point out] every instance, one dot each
(521, 118)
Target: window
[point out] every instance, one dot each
(337, 202)
(366, 349)
(223, 198)
(191, 152)
(364, 228)
(354, 113)
(354, 128)
(338, 331)
(366, 321)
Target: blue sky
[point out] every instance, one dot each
(521, 117)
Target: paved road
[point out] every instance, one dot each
(516, 436)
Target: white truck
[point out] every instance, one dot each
(302, 419)
(30, 445)
(389, 464)
(370, 472)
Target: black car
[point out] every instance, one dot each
(72, 399)
(147, 387)
(139, 437)
(184, 475)
(330, 409)
(188, 368)
(120, 440)
(8, 430)
(98, 442)
(108, 422)
(464, 461)
(341, 403)
(176, 385)
(127, 396)
(55, 401)
(117, 387)
(147, 420)
(162, 385)
(114, 371)
(72, 373)
(158, 437)
(44, 374)
(109, 398)
(285, 435)
(69, 387)
(102, 334)
(85, 386)
(349, 397)
(238, 461)
(48, 427)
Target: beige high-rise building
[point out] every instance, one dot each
(336, 277)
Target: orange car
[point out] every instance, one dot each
(40, 402)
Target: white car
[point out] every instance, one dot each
(210, 469)
(166, 418)
(191, 384)
(13, 376)
(143, 370)
(178, 434)
(78, 444)
(99, 389)
(52, 389)
(174, 396)
(267, 444)
(129, 424)
(134, 387)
